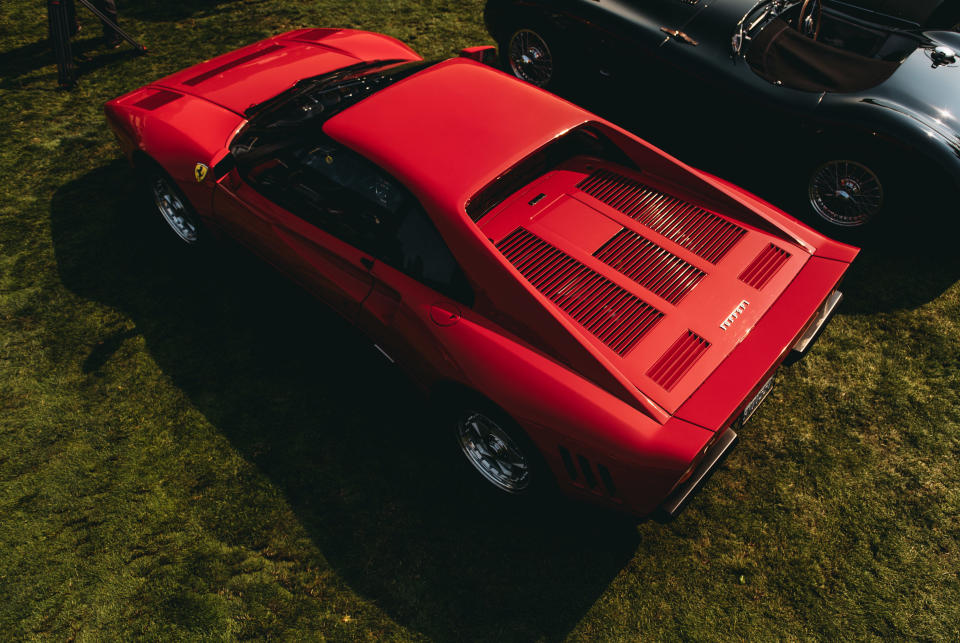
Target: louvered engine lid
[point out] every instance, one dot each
(662, 286)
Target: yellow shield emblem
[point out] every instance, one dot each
(200, 172)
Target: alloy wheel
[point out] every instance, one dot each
(174, 211)
(492, 452)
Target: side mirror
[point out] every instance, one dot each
(486, 54)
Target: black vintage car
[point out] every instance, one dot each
(855, 102)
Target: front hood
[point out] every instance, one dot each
(258, 72)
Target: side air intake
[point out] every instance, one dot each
(689, 226)
(616, 317)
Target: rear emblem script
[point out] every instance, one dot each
(200, 172)
(739, 310)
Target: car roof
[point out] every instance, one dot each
(451, 129)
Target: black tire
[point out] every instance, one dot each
(848, 193)
(171, 206)
(478, 428)
(533, 54)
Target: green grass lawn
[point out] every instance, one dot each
(192, 448)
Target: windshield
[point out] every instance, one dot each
(312, 101)
(761, 13)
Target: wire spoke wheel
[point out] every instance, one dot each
(846, 193)
(530, 58)
(493, 453)
(175, 212)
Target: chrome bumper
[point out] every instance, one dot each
(816, 326)
(676, 500)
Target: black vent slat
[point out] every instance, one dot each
(767, 264)
(689, 226)
(654, 268)
(678, 360)
(615, 316)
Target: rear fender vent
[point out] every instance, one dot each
(678, 360)
(765, 266)
(157, 99)
(649, 265)
(582, 473)
(207, 75)
(616, 317)
(689, 226)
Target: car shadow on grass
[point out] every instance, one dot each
(342, 434)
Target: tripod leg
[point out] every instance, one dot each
(57, 16)
(110, 24)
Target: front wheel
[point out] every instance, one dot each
(173, 207)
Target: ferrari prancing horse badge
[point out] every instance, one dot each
(200, 172)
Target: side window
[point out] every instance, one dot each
(349, 197)
(332, 189)
(417, 249)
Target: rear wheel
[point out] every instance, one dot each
(846, 194)
(495, 453)
(498, 456)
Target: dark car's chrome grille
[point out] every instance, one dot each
(678, 360)
(657, 270)
(762, 269)
(689, 226)
(616, 317)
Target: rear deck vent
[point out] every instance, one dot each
(207, 75)
(616, 317)
(764, 267)
(649, 265)
(689, 226)
(157, 99)
(678, 360)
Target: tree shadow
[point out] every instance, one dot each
(302, 395)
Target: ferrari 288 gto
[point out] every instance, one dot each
(594, 315)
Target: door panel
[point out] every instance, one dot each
(397, 317)
(327, 267)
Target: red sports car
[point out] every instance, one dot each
(593, 314)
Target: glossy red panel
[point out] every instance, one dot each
(452, 129)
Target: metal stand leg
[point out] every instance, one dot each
(60, 28)
(112, 25)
